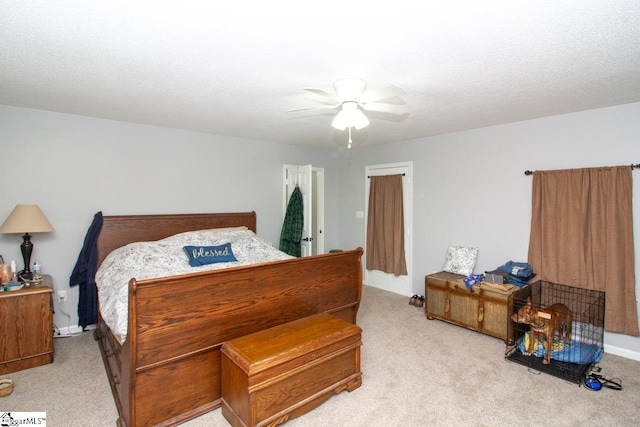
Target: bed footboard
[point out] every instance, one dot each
(177, 325)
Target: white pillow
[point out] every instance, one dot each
(461, 260)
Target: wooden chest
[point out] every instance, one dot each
(484, 310)
(280, 373)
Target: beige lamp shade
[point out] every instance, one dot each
(26, 219)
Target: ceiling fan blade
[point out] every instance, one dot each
(321, 92)
(387, 92)
(386, 108)
(319, 107)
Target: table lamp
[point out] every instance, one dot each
(26, 219)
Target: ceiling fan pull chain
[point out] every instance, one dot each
(349, 146)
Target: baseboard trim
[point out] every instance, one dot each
(634, 355)
(67, 331)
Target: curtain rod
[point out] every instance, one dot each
(368, 176)
(636, 166)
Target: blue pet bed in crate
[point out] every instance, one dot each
(576, 352)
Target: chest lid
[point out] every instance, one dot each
(315, 335)
(443, 277)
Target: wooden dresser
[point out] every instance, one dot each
(484, 310)
(26, 328)
(283, 372)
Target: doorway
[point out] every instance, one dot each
(310, 180)
(379, 279)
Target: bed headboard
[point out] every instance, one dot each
(121, 230)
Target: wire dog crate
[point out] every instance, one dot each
(569, 359)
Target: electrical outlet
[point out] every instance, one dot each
(62, 296)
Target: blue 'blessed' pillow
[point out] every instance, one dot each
(203, 255)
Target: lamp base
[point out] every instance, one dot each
(26, 248)
(25, 275)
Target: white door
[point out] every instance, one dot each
(379, 279)
(301, 176)
(317, 211)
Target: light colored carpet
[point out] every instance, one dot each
(416, 372)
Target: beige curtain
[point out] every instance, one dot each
(582, 236)
(385, 225)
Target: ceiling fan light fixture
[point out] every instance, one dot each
(350, 116)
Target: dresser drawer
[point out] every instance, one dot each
(26, 328)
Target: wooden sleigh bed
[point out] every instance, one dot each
(168, 369)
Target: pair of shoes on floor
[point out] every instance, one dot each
(417, 300)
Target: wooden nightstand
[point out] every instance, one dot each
(26, 327)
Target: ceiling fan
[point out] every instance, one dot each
(351, 98)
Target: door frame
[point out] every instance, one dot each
(318, 210)
(407, 191)
(311, 179)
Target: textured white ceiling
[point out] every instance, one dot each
(235, 69)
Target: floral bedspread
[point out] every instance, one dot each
(166, 257)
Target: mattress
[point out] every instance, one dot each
(167, 257)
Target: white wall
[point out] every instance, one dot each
(73, 167)
(470, 187)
